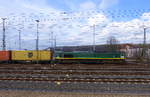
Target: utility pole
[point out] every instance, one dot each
(55, 45)
(144, 36)
(19, 39)
(49, 41)
(144, 43)
(37, 41)
(93, 37)
(52, 40)
(4, 37)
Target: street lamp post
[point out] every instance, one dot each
(4, 37)
(37, 40)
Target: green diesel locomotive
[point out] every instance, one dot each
(89, 57)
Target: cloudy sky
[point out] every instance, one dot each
(72, 22)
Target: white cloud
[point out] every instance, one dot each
(71, 28)
(19, 11)
(145, 16)
(24, 6)
(87, 5)
(108, 3)
(97, 19)
(127, 32)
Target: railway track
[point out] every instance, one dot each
(71, 71)
(79, 70)
(122, 71)
(70, 66)
(75, 77)
(125, 80)
(113, 73)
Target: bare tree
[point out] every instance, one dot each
(112, 44)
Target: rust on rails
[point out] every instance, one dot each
(78, 73)
(79, 80)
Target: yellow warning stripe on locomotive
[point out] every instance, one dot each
(91, 58)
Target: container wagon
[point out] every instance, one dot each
(31, 56)
(5, 56)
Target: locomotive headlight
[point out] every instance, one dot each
(58, 83)
(122, 57)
